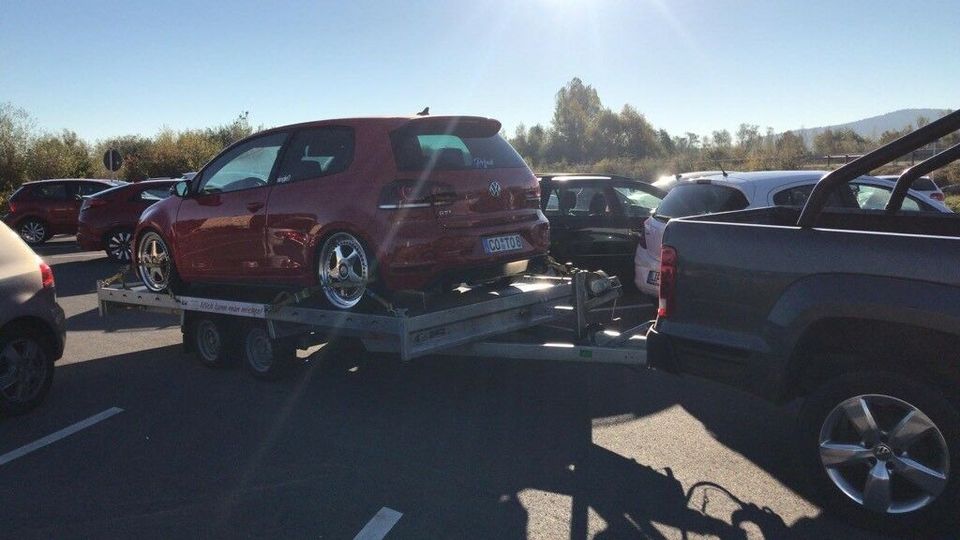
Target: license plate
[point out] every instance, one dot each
(653, 278)
(498, 244)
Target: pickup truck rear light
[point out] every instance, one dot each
(46, 275)
(937, 196)
(668, 281)
(415, 194)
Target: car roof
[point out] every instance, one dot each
(566, 177)
(386, 122)
(103, 180)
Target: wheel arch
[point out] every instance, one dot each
(48, 332)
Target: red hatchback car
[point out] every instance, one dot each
(39, 210)
(107, 219)
(404, 203)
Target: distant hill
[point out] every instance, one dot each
(875, 125)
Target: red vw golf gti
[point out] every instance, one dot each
(402, 203)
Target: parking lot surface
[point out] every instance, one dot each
(442, 447)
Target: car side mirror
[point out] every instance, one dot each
(180, 189)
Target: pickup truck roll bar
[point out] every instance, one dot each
(905, 181)
(864, 164)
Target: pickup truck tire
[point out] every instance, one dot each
(884, 451)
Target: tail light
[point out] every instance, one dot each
(415, 194)
(93, 202)
(13, 206)
(46, 275)
(668, 281)
(937, 196)
(532, 197)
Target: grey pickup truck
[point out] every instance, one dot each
(857, 312)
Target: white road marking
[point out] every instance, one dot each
(379, 525)
(56, 436)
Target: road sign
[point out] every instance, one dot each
(112, 160)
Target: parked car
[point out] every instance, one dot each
(740, 190)
(597, 220)
(855, 312)
(39, 210)
(32, 326)
(108, 218)
(923, 185)
(397, 203)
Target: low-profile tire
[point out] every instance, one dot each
(883, 450)
(26, 369)
(345, 269)
(34, 231)
(264, 357)
(119, 245)
(155, 265)
(213, 341)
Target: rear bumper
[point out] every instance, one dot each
(421, 259)
(643, 264)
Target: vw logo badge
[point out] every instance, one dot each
(495, 189)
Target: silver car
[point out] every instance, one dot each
(32, 326)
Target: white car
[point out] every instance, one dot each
(924, 185)
(698, 195)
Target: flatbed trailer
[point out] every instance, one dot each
(482, 321)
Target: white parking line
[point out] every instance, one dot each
(379, 525)
(56, 436)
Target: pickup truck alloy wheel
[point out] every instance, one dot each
(118, 245)
(884, 453)
(23, 370)
(344, 270)
(33, 231)
(153, 262)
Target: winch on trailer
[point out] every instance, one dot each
(476, 321)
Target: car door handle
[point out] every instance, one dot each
(254, 206)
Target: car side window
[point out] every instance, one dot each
(52, 191)
(636, 202)
(85, 189)
(247, 165)
(155, 194)
(578, 201)
(797, 196)
(316, 152)
(876, 198)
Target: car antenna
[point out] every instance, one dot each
(424, 112)
(721, 168)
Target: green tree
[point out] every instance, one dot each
(58, 156)
(790, 151)
(15, 128)
(577, 107)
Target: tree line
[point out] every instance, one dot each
(582, 136)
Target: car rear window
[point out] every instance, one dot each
(923, 184)
(697, 199)
(442, 151)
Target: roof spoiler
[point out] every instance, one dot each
(864, 164)
(462, 126)
(905, 182)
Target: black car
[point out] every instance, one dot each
(596, 220)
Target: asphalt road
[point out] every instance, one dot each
(462, 448)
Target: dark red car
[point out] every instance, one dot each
(107, 219)
(39, 210)
(401, 202)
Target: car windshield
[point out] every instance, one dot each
(695, 199)
(635, 201)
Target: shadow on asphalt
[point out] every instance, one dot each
(453, 443)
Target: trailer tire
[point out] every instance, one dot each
(213, 343)
(264, 357)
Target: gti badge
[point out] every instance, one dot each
(495, 189)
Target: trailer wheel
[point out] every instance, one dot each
(264, 357)
(212, 341)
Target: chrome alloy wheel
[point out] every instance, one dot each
(23, 368)
(344, 270)
(884, 453)
(153, 262)
(118, 245)
(33, 232)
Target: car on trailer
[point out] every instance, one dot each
(398, 203)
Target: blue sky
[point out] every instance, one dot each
(111, 68)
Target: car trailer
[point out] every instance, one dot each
(483, 321)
